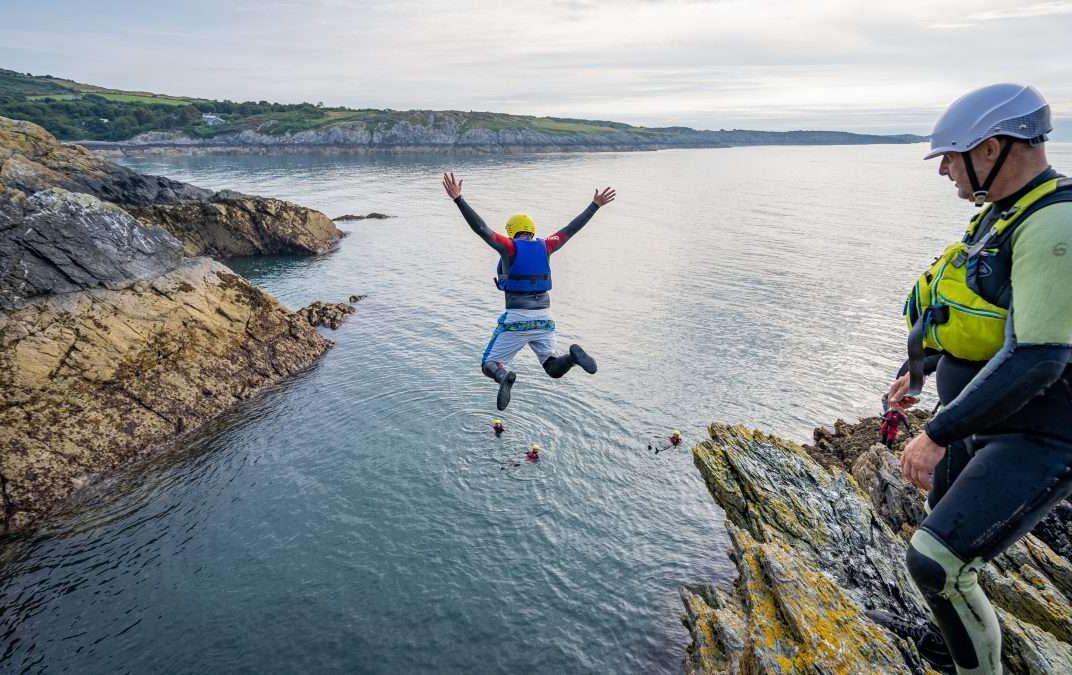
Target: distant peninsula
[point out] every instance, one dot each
(130, 121)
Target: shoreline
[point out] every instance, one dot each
(126, 148)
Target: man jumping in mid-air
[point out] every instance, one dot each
(524, 274)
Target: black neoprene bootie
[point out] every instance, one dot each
(557, 366)
(582, 359)
(504, 377)
(926, 637)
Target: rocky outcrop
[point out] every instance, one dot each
(231, 224)
(57, 241)
(813, 553)
(372, 216)
(90, 379)
(330, 314)
(854, 448)
(221, 224)
(111, 342)
(31, 160)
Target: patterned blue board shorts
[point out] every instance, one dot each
(510, 338)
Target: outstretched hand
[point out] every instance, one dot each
(605, 197)
(897, 394)
(452, 186)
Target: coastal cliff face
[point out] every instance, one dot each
(108, 351)
(111, 341)
(459, 131)
(814, 551)
(221, 224)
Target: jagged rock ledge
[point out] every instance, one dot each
(221, 224)
(813, 553)
(112, 342)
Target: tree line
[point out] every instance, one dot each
(93, 117)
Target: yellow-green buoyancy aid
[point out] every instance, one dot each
(955, 319)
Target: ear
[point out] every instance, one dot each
(991, 148)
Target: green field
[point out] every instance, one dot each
(139, 98)
(54, 97)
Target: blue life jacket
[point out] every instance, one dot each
(530, 271)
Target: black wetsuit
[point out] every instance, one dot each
(1007, 428)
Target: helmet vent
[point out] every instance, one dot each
(1027, 126)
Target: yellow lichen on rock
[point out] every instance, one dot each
(812, 550)
(786, 617)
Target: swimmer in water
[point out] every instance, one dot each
(498, 427)
(533, 455)
(672, 442)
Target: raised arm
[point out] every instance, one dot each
(559, 239)
(497, 241)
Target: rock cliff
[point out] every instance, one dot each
(108, 351)
(112, 342)
(482, 132)
(221, 224)
(813, 553)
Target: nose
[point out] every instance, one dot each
(943, 166)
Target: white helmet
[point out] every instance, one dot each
(1012, 110)
(1008, 110)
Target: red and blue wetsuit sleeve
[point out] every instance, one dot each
(559, 239)
(501, 243)
(505, 246)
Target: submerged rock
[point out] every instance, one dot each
(330, 314)
(221, 224)
(372, 216)
(813, 553)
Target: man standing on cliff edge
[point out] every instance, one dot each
(997, 307)
(524, 275)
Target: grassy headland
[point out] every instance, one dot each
(75, 111)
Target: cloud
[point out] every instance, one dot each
(1028, 11)
(645, 61)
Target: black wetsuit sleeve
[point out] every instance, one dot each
(930, 364)
(562, 236)
(477, 225)
(1005, 385)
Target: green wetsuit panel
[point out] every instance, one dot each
(1042, 277)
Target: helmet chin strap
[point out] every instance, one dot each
(981, 193)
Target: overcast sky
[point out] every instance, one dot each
(761, 64)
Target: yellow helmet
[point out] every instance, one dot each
(520, 222)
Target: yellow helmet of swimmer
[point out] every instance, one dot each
(520, 222)
(676, 433)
